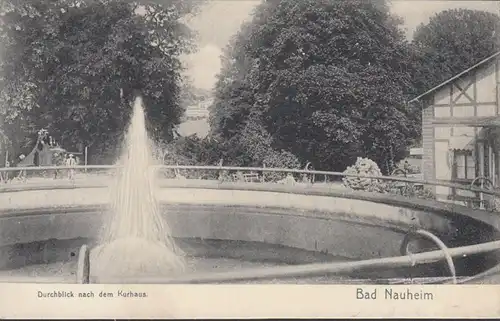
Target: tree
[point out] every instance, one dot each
(452, 41)
(74, 67)
(328, 81)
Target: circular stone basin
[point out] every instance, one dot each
(228, 227)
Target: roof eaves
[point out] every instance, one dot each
(455, 77)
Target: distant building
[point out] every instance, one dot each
(461, 128)
(196, 119)
(199, 110)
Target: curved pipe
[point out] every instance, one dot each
(398, 170)
(435, 239)
(482, 179)
(310, 270)
(308, 168)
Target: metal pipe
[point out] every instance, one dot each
(308, 270)
(439, 243)
(398, 171)
(482, 179)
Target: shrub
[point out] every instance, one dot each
(410, 190)
(224, 176)
(364, 167)
(425, 194)
(279, 159)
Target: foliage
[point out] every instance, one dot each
(225, 176)
(325, 80)
(424, 193)
(193, 150)
(257, 145)
(410, 190)
(367, 167)
(279, 159)
(74, 67)
(191, 95)
(364, 167)
(288, 180)
(495, 204)
(452, 41)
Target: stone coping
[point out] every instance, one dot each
(451, 211)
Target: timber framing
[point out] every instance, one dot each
(462, 113)
(468, 121)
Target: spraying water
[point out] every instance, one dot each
(136, 240)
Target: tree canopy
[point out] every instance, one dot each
(323, 80)
(73, 67)
(452, 41)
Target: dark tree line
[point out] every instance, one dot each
(73, 67)
(328, 81)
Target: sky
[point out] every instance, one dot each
(221, 19)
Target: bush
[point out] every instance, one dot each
(224, 176)
(193, 151)
(364, 167)
(410, 190)
(279, 159)
(425, 194)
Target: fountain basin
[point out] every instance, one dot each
(249, 223)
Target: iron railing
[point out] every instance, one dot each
(327, 174)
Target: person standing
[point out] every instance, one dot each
(7, 174)
(58, 160)
(71, 162)
(22, 174)
(407, 167)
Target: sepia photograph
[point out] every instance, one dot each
(249, 142)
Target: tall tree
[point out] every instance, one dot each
(452, 41)
(327, 80)
(74, 67)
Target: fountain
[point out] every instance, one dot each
(233, 232)
(136, 241)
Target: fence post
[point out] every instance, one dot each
(86, 159)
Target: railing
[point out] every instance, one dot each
(221, 169)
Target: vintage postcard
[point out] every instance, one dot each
(249, 158)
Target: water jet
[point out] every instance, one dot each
(135, 240)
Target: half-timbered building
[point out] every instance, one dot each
(461, 129)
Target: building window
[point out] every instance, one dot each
(465, 167)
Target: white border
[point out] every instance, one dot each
(247, 301)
